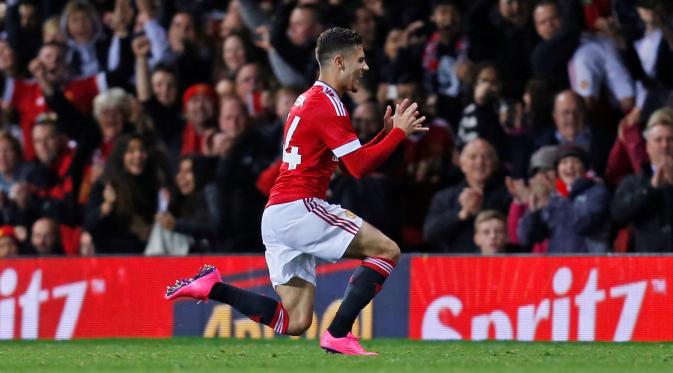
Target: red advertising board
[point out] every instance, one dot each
(541, 298)
(66, 298)
(471, 298)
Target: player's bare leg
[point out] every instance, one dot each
(379, 256)
(297, 297)
(371, 242)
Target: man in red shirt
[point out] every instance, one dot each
(26, 96)
(298, 225)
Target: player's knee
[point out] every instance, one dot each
(300, 324)
(391, 250)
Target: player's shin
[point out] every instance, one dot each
(257, 307)
(364, 284)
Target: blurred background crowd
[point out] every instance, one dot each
(155, 127)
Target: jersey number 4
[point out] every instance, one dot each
(291, 154)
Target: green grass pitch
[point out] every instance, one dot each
(285, 355)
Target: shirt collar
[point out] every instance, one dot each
(327, 86)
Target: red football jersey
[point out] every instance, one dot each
(318, 131)
(25, 96)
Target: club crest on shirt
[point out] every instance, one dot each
(350, 214)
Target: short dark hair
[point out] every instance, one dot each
(335, 40)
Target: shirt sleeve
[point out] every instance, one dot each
(584, 72)
(618, 77)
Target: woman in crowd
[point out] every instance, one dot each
(123, 202)
(193, 212)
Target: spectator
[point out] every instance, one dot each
(272, 130)
(250, 87)
(445, 52)
(569, 116)
(147, 23)
(199, 104)
(88, 49)
(365, 23)
(191, 222)
(50, 71)
(241, 156)
(235, 53)
(185, 53)
(490, 232)
(449, 224)
(542, 176)
(121, 207)
(10, 66)
(595, 68)
(574, 216)
(628, 152)
(653, 50)
(158, 94)
(290, 44)
(559, 24)
(9, 245)
(503, 33)
(480, 118)
(51, 31)
(45, 238)
(12, 167)
(645, 200)
(55, 176)
(112, 114)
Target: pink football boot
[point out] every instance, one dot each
(197, 287)
(348, 345)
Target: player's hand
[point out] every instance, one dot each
(406, 120)
(388, 120)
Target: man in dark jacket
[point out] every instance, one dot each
(449, 224)
(559, 25)
(241, 155)
(645, 200)
(503, 33)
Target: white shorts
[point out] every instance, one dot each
(297, 232)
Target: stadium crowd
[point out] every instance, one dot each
(156, 127)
